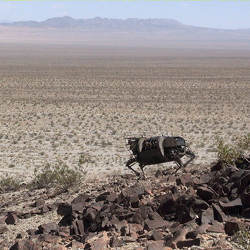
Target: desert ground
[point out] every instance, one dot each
(59, 102)
(77, 104)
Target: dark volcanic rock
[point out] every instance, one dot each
(231, 227)
(161, 214)
(205, 193)
(244, 181)
(218, 213)
(81, 198)
(236, 176)
(191, 235)
(132, 195)
(142, 214)
(184, 211)
(246, 213)
(243, 163)
(199, 205)
(232, 207)
(102, 197)
(188, 243)
(245, 197)
(167, 205)
(64, 209)
(78, 227)
(155, 224)
(78, 207)
(217, 166)
(11, 218)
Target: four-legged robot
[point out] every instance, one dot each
(159, 149)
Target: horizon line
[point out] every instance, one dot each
(111, 18)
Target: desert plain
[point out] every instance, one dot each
(63, 102)
(76, 104)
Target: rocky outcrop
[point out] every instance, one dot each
(160, 213)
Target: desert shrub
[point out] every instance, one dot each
(226, 153)
(242, 238)
(229, 153)
(59, 176)
(9, 183)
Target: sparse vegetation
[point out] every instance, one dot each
(9, 183)
(242, 238)
(229, 153)
(63, 102)
(58, 176)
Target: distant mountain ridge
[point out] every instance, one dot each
(103, 24)
(123, 32)
(150, 24)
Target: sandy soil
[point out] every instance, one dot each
(61, 102)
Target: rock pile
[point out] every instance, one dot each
(160, 213)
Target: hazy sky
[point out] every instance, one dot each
(209, 13)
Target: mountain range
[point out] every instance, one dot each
(131, 31)
(98, 23)
(130, 24)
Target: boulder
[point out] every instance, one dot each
(231, 227)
